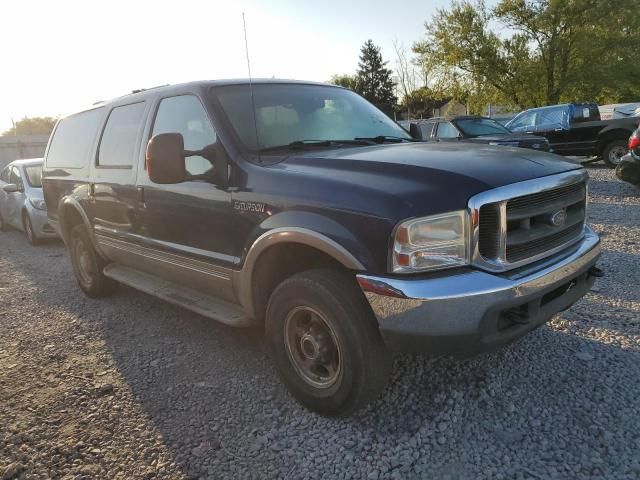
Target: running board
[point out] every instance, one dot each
(198, 302)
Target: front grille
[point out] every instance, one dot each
(535, 224)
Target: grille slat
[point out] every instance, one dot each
(530, 229)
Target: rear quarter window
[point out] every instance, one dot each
(73, 139)
(119, 139)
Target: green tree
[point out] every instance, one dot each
(32, 126)
(550, 51)
(346, 81)
(374, 78)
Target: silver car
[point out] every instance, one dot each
(22, 203)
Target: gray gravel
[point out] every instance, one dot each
(131, 387)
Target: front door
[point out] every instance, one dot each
(13, 202)
(188, 225)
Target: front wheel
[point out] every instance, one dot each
(325, 342)
(613, 152)
(88, 265)
(32, 237)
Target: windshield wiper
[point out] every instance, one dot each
(386, 138)
(302, 144)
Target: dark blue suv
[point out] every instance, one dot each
(302, 208)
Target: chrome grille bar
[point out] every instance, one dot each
(510, 212)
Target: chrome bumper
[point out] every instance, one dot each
(466, 311)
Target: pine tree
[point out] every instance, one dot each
(374, 78)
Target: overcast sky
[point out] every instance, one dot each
(59, 56)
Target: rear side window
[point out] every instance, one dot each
(119, 138)
(446, 130)
(4, 175)
(73, 140)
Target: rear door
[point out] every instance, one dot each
(112, 198)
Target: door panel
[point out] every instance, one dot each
(190, 221)
(112, 195)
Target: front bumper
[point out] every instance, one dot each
(467, 311)
(40, 224)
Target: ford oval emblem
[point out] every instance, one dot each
(559, 218)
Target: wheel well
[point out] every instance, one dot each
(280, 262)
(610, 136)
(70, 218)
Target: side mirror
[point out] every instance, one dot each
(414, 131)
(12, 188)
(165, 158)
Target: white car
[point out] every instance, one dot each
(22, 204)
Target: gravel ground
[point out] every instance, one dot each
(132, 387)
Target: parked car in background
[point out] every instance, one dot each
(22, 204)
(576, 129)
(302, 208)
(629, 167)
(473, 129)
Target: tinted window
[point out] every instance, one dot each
(551, 118)
(73, 140)
(446, 130)
(4, 176)
(477, 127)
(118, 143)
(186, 115)
(34, 175)
(289, 113)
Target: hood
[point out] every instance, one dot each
(422, 177)
(508, 137)
(491, 166)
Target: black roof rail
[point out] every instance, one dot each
(139, 90)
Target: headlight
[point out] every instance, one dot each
(431, 243)
(38, 203)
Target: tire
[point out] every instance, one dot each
(32, 237)
(325, 342)
(88, 265)
(613, 152)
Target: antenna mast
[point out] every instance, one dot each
(253, 102)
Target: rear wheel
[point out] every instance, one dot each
(32, 237)
(613, 152)
(88, 265)
(325, 342)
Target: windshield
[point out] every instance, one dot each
(478, 127)
(34, 175)
(289, 113)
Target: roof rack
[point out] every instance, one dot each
(139, 90)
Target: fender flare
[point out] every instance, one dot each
(65, 205)
(243, 280)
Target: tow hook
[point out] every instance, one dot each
(596, 272)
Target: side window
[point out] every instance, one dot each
(73, 140)
(15, 177)
(425, 130)
(185, 114)
(526, 121)
(4, 175)
(119, 138)
(446, 130)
